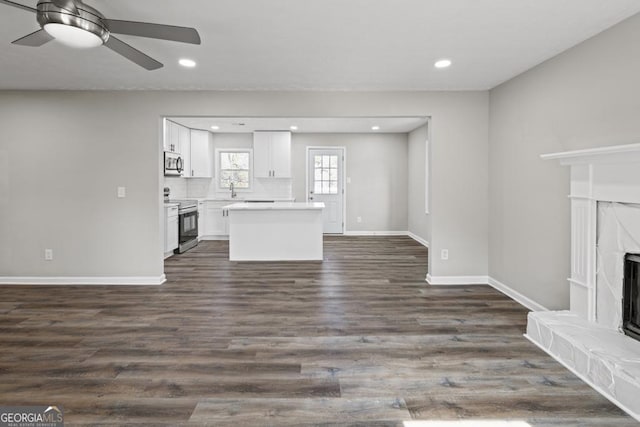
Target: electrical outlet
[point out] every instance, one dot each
(359, 219)
(348, 180)
(444, 254)
(122, 192)
(48, 254)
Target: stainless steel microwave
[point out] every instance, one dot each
(173, 164)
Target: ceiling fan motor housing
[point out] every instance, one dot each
(76, 14)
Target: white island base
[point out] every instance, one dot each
(275, 231)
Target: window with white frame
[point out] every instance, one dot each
(325, 169)
(234, 166)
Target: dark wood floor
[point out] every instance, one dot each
(359, 339)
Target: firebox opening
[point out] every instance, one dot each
(631, 296)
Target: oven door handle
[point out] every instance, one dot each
(188, 210)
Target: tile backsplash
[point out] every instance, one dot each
(206, 188)
(178, 187)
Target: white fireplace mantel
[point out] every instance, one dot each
(594, 347)
(606, 174)
(614, 153)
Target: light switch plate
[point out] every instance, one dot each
(122, 192)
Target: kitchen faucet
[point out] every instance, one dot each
(233, 191)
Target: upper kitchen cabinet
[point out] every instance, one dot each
(169, 139)
(201, 164)
(184, 139)
(176, 137)
(272, 154)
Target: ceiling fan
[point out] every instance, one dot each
(75, 24)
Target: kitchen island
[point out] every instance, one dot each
(279, 231)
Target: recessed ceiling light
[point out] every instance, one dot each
(442, 63)
(189, 63)
(294, 127)
(214, 127)
(375, 127)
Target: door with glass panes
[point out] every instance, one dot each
(325, 172)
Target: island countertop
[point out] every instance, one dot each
(263, 206)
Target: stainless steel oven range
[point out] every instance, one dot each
(187, 224)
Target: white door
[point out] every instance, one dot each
(325, 170)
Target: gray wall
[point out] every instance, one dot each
(66, 152)
(587, 97)
(419, 220)
(377, 166)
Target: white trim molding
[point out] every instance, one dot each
(515, 295)
(415, 237)
(137, 280)
(376, 233)
(457, 280)
(418, 239)
(486, 280)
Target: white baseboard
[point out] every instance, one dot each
(214, 238)
(515, 295)
(375, 233)
(137, 280)
(486, 280)
(418, 239)
(457, 280)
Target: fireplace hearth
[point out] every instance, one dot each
(631, 296)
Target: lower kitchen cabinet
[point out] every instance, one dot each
(170, 228)
(216, 222)
(201, 215)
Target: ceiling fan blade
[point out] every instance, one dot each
(132, 54)
(154, 31)
(18, 5)
(35, 39)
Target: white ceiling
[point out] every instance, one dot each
(304, 124)
(315, 44)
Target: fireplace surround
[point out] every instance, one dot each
(590, 338)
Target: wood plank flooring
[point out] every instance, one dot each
(359, 339)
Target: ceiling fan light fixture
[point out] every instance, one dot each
(83, 28)
(73, 36)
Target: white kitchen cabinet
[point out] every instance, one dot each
(272, 154)
(184, 137)
(168, 134)
(201, 215)
(171, 141)
(216, 222)
(176, 137)
(201, 155)
(170, 228)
